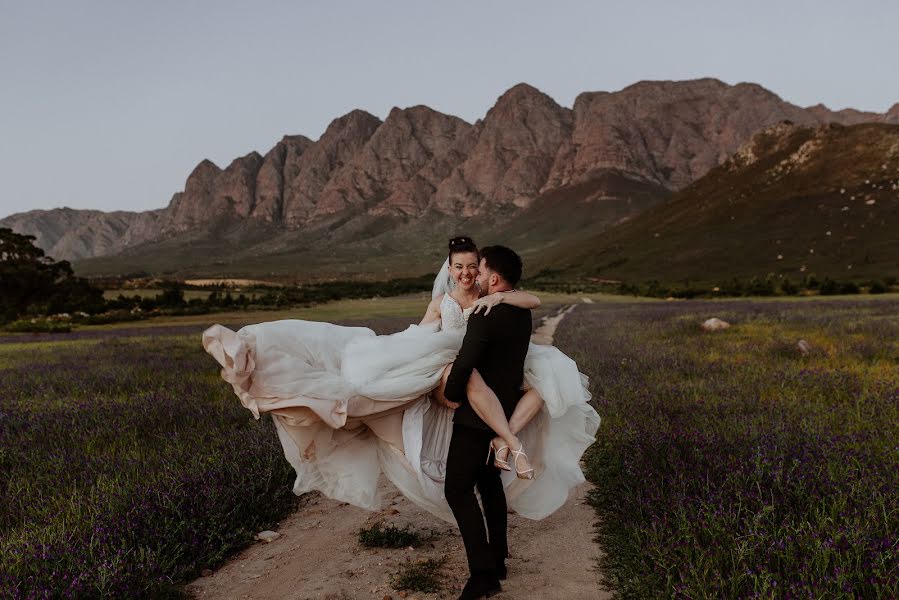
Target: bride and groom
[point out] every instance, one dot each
(427, 407)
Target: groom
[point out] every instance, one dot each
(495, 345)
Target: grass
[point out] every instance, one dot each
(389, 536)
(127, 466)
(420, 576)
(728, 464)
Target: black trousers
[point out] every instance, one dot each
(466, 469)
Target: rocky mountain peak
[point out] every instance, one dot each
(892, 115)
(675, 90)
(355, 121)
(294, 140)
(522, 94)
(204, 172)
(403, 144)
(511, 157)
(667, 132)
(307, 176)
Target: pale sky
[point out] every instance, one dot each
(110, 105)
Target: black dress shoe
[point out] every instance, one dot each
(501, 571)
(480, 586)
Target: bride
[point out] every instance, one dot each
(349, 405)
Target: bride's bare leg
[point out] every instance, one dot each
(438, 393)
(526, 409)
(487, 406)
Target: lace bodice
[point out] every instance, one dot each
(451, 314)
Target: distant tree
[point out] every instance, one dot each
(877, 287)
(788, 288)
(734, 287)
(829, 287)
(172, 294)
(76, 294)
(654, 288)
(29, 280)
(849, 288)
(760, 287)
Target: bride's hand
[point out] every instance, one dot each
(487, 302)
(450, 405)
(441, 399)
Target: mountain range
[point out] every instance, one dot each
(378, 198)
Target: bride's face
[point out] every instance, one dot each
(464, 269)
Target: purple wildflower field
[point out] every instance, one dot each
(732, 465)
(127, 465)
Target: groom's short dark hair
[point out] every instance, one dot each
(504, 262)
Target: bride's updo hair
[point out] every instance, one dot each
(462, 244)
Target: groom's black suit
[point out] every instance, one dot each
(495, 345)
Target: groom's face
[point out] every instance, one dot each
(484, 277)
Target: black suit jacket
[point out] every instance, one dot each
(496, 346)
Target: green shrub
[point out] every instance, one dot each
(760, 287)
(877, 287)
(788, 288)
(37, 326)
(849, 288)
(379, 536)
(419, 576)
(829, 287)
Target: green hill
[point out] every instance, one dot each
(793, 202)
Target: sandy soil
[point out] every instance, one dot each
(318, 555)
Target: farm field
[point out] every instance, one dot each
(731, 465)
(728, 464)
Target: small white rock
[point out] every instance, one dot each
(267, 536)
(715, 324)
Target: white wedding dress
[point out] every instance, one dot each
(350, 405)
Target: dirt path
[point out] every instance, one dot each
(318, 556)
